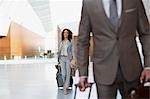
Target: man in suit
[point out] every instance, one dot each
(116, 60)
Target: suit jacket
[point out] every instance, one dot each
(69, 50)
(113, 48)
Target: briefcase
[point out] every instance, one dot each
(140, 92)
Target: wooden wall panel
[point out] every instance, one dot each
(16, 39)
(23, 42)
(5, 47)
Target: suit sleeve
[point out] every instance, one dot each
(83, 41)
(143, 28)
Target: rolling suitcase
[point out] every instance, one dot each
(78, 85)
(140, 92)
(59, 77)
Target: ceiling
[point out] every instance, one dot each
(42, 9)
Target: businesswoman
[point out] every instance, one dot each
(65, 57)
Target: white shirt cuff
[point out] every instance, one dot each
(147, 68)
(83, 77)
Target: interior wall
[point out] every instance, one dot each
(5, 46)
(21, 42)
(25, 42)
(16, 40)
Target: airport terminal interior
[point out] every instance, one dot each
(30, 35)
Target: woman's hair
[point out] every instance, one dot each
(69, 34)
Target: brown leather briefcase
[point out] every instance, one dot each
(141, 92)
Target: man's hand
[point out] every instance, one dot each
(145, 75)
(82, 82)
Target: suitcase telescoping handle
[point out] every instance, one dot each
(79, 85)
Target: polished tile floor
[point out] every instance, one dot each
(36, 79)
